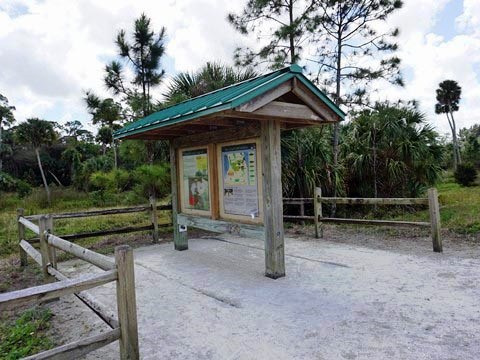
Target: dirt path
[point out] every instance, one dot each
(339, 300)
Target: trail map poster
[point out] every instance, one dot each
(195, 180)
(239, 170)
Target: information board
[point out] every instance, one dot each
(196, 189)
(240, 183)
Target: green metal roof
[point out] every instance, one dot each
(223, 99)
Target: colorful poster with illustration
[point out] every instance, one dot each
(239, 169)
(195, 180)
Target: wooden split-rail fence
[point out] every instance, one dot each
(431, 201)
(123, 324)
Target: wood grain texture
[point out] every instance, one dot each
(154, 218)
(38, 294)
(21, 236)
(272, 200)
(29, 225)
(374, 201)
(266, 98)
(220, 226)
(102, 261)
(375, 222)
(317, 208)
(126, 303)
(77, 349)
(250, 130)
(30, 250)
(180, 239)
(105, 313)
(434, 211)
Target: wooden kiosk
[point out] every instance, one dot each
(225, 155)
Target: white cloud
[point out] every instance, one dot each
(52, 50)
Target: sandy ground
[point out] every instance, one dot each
(339, 301)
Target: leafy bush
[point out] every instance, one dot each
(9, 184)
(23, 188)
(465, 174)
(113, 181)
(152, 179)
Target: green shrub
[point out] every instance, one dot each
(10, 184)
(23, 188)
(465, 174)
(7, 182)
(26, 336)
(152, 179)
(113, 181)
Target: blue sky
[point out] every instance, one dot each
(51, 51)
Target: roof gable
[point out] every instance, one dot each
(227, 98)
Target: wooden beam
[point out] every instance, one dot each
(266, 98)
(29, 225)
(30, 250)
(180, 238)
(77, 349)
(373, 201)
(317, 208)
(38, 294)
(220, 226)
(105, 313)
(21, 236)
(375, 222)
(102, 261)
(272, 200)
(302, 92)
(127, 303)
(231, 134)
(434, 210)
(279, 109)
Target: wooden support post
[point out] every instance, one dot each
(317, 208)
(52, 252)
(180, 239)
(272, 200)
(154, 217)
(21, 236)
(126, 303)
(434, 210)
(42, 228)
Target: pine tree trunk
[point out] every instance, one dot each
(47, 189)
(291, 35)
(115, 155)
(336, 126)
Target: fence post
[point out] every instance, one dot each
(317, 208)
(21, 236)
(52, 252)
(434, 210)
(126, 303)
(154, 217)
(44, 251)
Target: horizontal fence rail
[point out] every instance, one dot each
(121, 270)
(431, 201)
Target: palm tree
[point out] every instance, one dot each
(106, 112)
(210, 77)
(37, 132)
(391, 151)
(6, 119)
(306, 159)
(105, 137)
(448, 97)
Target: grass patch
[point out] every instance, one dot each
(69, 200)
(459, 208)
(25, 336)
